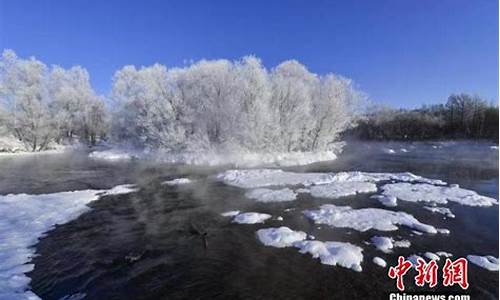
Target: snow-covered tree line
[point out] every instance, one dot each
(40, 105)
(231, 106)
(215, 105)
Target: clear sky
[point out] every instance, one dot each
(401, 52)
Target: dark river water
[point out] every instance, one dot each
(149, 245)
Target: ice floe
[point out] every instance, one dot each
(230, 213)
(443, 230)
(414, 259)
(386, 200)
(379, 262)
(251, 218)
(431, 255)
(421, 192)
(440, 210)
(365, 218)
(268, 195)
(342, 189)
(24, 219)
(177, 181)
(487, 262)
(444, 254)
(280, 237)
(272, 177)
(256, 178)
(343, 254)
(386, 244)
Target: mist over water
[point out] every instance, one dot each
(170, 242)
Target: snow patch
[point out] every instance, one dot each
(280, 237)
(251, 218)
(342, 189)
(444, 254)
(379, 262)
(441, 210)
(230, 213)
(268, 195)
(386, 244)
(487, 262)
(177, 181)
(365, 219)
(24, 219)
(431, 255)
(345, 255)
(422, 192)
(256, 178)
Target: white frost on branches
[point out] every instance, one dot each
(226, 106)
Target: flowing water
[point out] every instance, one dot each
(170, 242)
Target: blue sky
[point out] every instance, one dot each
(401, 52)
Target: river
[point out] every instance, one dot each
(170, 242)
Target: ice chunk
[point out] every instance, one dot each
(365, 219)
(431, 255)
(382, 243)
(443, 230)
(440, 210)
(386, 244)
(389, 151)
(280, 237)
(346, 255)
(488, 262)
(386, 200)
(444, 254)
(268, 195)
(279, 218)
(402, 244)
(437, 194)
(342, 189)
(251, 218)
(379, 262)
(24, 219)
(403, 150)
(230, 213)
(178, 181)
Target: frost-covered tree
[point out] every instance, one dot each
(75, 108)
(220, 105)
(45, 104)
(24, 90)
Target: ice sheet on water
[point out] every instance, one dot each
(365, 218)
(269, 195)
(24, 219)
(251, 218)
(487, 262)
(422, 192)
